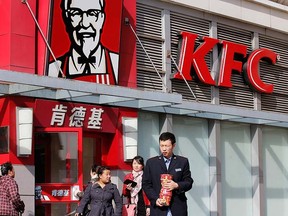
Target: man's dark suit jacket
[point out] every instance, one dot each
(180, 169)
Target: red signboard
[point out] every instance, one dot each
(85, 38)
(66, 114)
(47, 193)
(194, 58)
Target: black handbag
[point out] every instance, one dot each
(87, 210)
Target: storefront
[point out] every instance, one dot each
(208, 71)
(61, 140)
(53, 141)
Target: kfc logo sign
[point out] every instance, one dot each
(249, 65)
(85, 37)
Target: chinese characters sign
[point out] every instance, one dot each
(77, 116)
(55, 192)
(63, 114)
(60, 193)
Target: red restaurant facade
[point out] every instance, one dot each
(215, 79)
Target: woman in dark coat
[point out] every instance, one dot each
(100, 195)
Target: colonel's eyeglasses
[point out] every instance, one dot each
(76, 12)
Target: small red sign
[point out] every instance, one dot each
(54, 193)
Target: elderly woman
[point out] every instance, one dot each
(10, 202)
(100, 195)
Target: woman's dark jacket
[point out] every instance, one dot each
(100, 200)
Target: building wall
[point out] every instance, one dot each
(158, 25)
(17, 37)
(25, 177)
(264, 13)
(238, 168)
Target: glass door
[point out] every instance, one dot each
(58, 170)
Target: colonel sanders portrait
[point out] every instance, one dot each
(87, 59)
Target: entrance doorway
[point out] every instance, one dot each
(91, 154)
(63, 159)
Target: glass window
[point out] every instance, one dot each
(148, 124)
(56, 157)
(89, 153)
(192, 142)
(236, 165)
(275, 170)
(4, 140)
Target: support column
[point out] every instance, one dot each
(215, 168)
(166, 50)
(257, 171)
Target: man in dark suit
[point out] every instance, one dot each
(167, 163)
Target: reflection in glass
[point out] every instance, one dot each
(4, 141)
(56, 157)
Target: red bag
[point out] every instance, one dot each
(129, 210)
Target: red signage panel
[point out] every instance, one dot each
(47, 193)
(85, 39)
(67, 114)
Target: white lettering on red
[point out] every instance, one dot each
(58, 115)
(95, 119)
(77, 117)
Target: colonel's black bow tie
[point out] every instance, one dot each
(85, 60)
